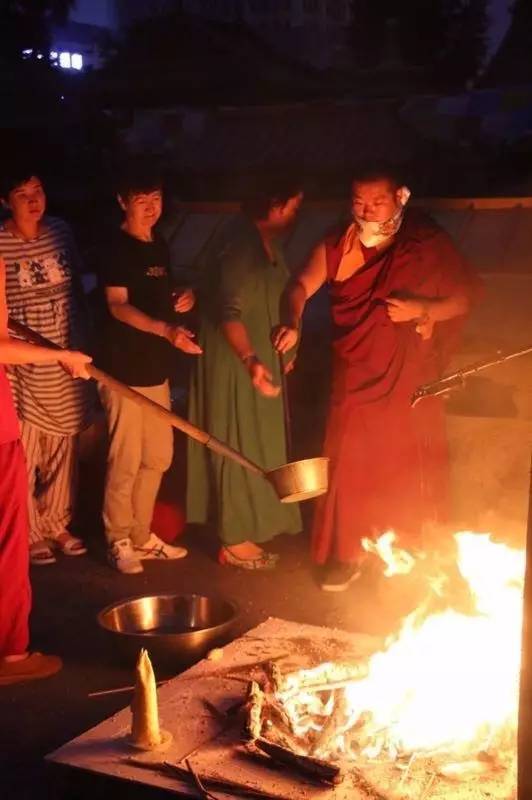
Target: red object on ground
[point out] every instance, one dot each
(168, 520)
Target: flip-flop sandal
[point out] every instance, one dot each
(70, 546)
(41, 554)
(266, 561)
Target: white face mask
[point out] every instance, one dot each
(372, 234)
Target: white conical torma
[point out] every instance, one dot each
(145, 731)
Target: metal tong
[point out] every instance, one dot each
(457, 380)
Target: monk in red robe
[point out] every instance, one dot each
(399, 292)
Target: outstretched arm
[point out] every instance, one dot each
(117, 298)
(298, 291)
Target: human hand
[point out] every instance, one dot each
(284, 338)
(75, 363)
(181, 338)
(404, 310)
(184, 301)
(262, 379)
(425, 327)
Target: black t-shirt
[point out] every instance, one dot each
(143, 268)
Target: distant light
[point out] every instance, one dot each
(62, 97)
(54, 55)
(64, 60)
(27, 52)
(76, 61)
(39, 56)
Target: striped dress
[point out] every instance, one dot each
(41, 294)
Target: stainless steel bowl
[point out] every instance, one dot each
(176, 629)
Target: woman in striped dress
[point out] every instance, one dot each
(43, 292)
(17, 663)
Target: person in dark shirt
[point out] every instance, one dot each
(140, 334)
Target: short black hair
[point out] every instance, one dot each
(14, 173)
(138, 176)
(379, 171)
(269, 192)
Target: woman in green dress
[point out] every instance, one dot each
(235, 390)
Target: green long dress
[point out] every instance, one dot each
(240, 282)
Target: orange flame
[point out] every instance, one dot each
(448, 681)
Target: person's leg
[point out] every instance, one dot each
(16, 663)
(157, 449)
(57, 490)
(124, 422)
(40, 552)
(15, 592)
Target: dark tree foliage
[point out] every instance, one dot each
(34, 94)
(178, 56)
(513, 62)
(25, 24)
(445, 38)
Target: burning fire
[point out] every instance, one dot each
(446, 683)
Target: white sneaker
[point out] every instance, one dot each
(123, 557)
(156, 548)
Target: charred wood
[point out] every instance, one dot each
(305, 765)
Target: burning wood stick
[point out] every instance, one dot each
(274, 677)
(305, 765)
(254, 706)
(314, 688)
(333, 724)
(250, 752)
(336, 675)
(263, 711)
(277, 716)
(283, 738)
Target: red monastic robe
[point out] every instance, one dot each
(388, 461)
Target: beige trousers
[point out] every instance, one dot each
(140, 452)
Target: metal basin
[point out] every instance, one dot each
(300, 480)
(176, 629)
